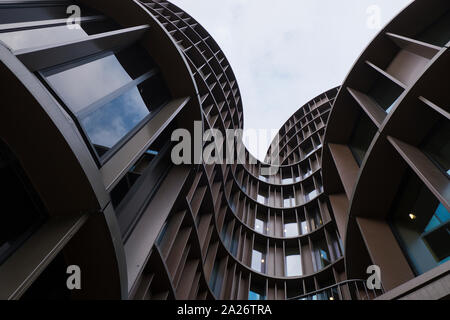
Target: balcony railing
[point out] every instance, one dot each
(346, 290)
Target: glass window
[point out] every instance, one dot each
(287, 202)
(110, 94)
(259, 258)
(262, 199)
(290, 227)
(362, 137)
(310, 192)
(85, 83)
(321, 254)
(422, 225)
(306, 170)
(308, 149)
(234, 242)
(314, 214)
(336, 245)
(437, 146)
(260, 222)
(225, 233)
(215, 282)
(121, 190)
(304, 226)
(293, 263)
(257, 291)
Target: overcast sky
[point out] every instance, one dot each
(286, 52)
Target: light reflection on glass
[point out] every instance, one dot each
(109, 124)
(41, 37)
(83, 85)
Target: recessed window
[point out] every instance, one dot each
(314, 214)
(126, 183)
(437, 146)
(303, 225)
(422, 224)
(261, 222)
(215, 282)
(310, 191)
(321, 254)
(308, 149)
(262, 199)
(290, 227)
(257, 291)
(293, 263)
(259, 258)
(234, 242)
(362, 137)
(306, 170)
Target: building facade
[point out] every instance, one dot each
(387, 156)
(88, 180)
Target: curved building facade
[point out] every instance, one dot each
(89, 184)
(387, 156)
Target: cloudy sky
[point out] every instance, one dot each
(286, 52)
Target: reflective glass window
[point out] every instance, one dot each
(422, 225)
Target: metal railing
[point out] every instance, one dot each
(355, 289)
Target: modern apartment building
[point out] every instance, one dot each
(88, 181)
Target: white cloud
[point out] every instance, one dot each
(286, 52)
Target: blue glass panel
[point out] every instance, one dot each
(433, 224)
(254, 296)
(85, 84)
(442, 214)
(109, 124)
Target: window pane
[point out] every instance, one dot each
(291, 229)
(437, 146)
(422, 225)
(257, 291)
(322, 255)
(259, 225)
(216, 280)
(259, 258)
(109, 124)
(293, 265)
(85, 84)
(99, 92)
